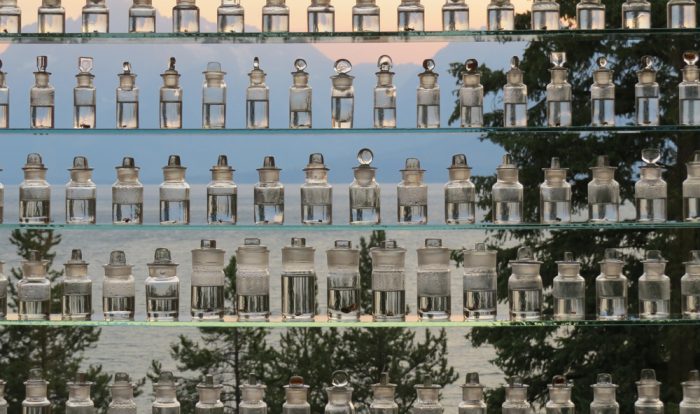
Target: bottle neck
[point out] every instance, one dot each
(128, 175)
(460, 174)
(76, 270)
(691, 73)
(174, 174)
(85, 80)
(222, 174)
(41, 79)
(471, 79)
(81, 176)
(559, 75)
(412, 177)
(269, 176)
(604, 394)
(507, 174)
(611, 268)
(35, 174)
(525, 270)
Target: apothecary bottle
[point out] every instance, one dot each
(142, 17)
(569, 290)
(365, 16)
(602, 95)
(412, 194)
(501, 15)
(257, 99)
(339, 395)
(166, 395)
(479, 283)
(648, 391)
(455, 16)
(174, 193)
(427, 397)
(555, 195)
(95, 16)
(36, 391)
(316, 193)
(4, 99)
(122, 391)
(34, 193)
(2, 201)
(365, 195)
(636, 14)
(298, 282)
(690, 287)
(342, 95)
(79, 400)
(611, 288)
(214, 97)
(689, 91)
(516, 398)
(507, 194)
(253, 396)
(560, 396)
(472, 396)
(559, 95)
(252, 281)
(171, 98)
(691, 190)
(383, 395)
(185, 17)
(268, 194)
(296, 395)
(162, 288)
(590, 15)
(471, 96)
(388, 282)
(650, 192)
(545, 15)
(411, 16)
(42, 96)
(84, 96)
(275, 16)
(515, 97)
(118, 289)
(52, 17)
(208, 279)
(300, 97)
(343, 282)
(230, 17)
(321, 16)
(76, 295)
(691, 394)
(604, 396)
(4, 286)
(10, 17)
(654, 288)
(209, 393)
(222, 194)
(385, 95)
(3, 401)
(681, 14)
(127, 99)
(525, 289)
(34, 289)
(433, 278)
(460, 192)
(428, 97)
(127, 194)
(81, 194)
(603, 193)
(646, 94)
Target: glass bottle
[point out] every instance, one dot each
(118, 289)
(471, 96)
(52, 17)
(604, 401)
(162, 288)
(427, 398)
(559, 111)
(428, 97)
(36, 401)
(455, 16)
(252, 281)
(365, 199)
(166, 395)
(321, 16)
(298, 282)
(525, 287)
(343, 282)
(81, 194)
(385, 95)
(365, 16)
(636, 14)
(388, 282)
(214, 97)
(691, 190)
(208, 279)
(654, 288)
(127, 99)
(4, 97)
(95, 16)
(602, 95)
(545, 15)
(4, 286)
(3, 401)
(34, 289)
(342, 95)
(646, 93)
(296, 395)
(412, 194)
(222, 194)
(76, 298)
(516, 398)
(84, 96)
(690, 287)
(383, 394)
(611, 288)
(171, 98)
(569, 290)
(42, 96)
(339, 395)
(460, 193)
(433, 282)
(257, 99)
(680, 14)
(411, 16)
(174, 193)
(230, 17)
(648, 390)
(127, 194)
(479, 283)
(555, 195)
(122, 391)
(34, 193)
(316, 193)
(650, 192)
(560, 396)
(300, 97)
(142, 17)
(2, 201)
(515, 96)
(79, 401)
(603, 193)
(501, 15)
(186, 17)
(472, 396)
(689, 91)
(209, 393)
(253, 397)
(590, 15)
(691, 394)
(268, 194)
(10, 17)
(507, 194)
(275, 16)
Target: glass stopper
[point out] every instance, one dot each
(256, 63)
(174, 161)
(515, 381)
(459, 160)
(365, 156)
(602, 161)
(604, 379)
(76, 255)
(696, 156)
(121, 377)
(480, 247)
(507, 160)
(647, 62)
(80, 163)
(298, 242)
(126, 67)
(207, 244)
(340, 378)
(569, 256)
(85, 64)
(251, 241)
(429, 65)
(385, 63)
(41, 63)
(558, 59)
(427, 380)
(559, 381)
(222, 161)
(602, 62)
(342, 66)
(612, 254)
(343, 244)
(117, 258)
(171, 66)
(269, 162)
(316, 159)
(472, 65)
(472, 378)
(647, 375)
(162, 256)
(252, 379)
(80, 378)
(36, 374)
(412, 164)
(388, 244)
(300, 64)
(0, 63)
(514, 62)
(128, 162)
(209, 380)
(555, 163)
(34, 159)
(690, 58)
(433, 242)
(166, 377)
(695, 256)
(296, 380)
(526, 253)
(694, 376)
(33, 256)
(653, 255)
(384, 378)
(651, 155)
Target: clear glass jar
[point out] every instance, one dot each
(636, 14)
(51, 17)
(95, 16)
(79, 401)
(385, 95)
(648, 391)
(559, 95)
(480, 297)
(118, 289)
(342, 95)
(690, 287)
(365, 16)
(222, 194)
(127, 194)
(208, 280)
(298, 282)
(316, 193)
(81, 194)
(507, 194)
(472, 396)
(268, 194)
(166, 395)
(611, 288)
(36, 401)
(604, 393)
(545, 15)
(142, 17)
(412, 194)
(257, 99)
(214, 97)
(253, 397)
(300, 98)
(603, 193)
(76, 287)
(230, 17)
(388, 282)
(501, 15)
(365, 195)
(428, 97)
(122, 391)
(383, 397)
(10, 17)
(650, 192)
(4, 286)
(209, 393)
(654, 288)
(691, 394)
(321, 16)
(590, 15)
(42, 96)
(691, 190)
(560, 396)
(339, 395)
(4, 99)
(460, 193)
(127, 99)
(275, 16)
(525, 291)
(344, 285)
(174, 193)
(252, 281)
(689, 91)
(171, 98)
(185, 17)
(603, 95)
(455, 16)
(681, 14)
(411, 16)
(569, 290)
(471, 96)
(34, 193)
(516, 397)
(555, 195)
(85, 96)
(646, 94)
(34, 289)
(2, 201)
(162, 289)
(515, 96)
(427, 397)
(433, 282)
(296, 395)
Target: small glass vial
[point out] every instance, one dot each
(507, 194)
(501, 15)
(321, 16)
(268, 194)
(471, 96)
(343, 95)
(516, 397)
(603, 193)
(34, 193)
(646, 94)
(174, 193)
(691, 394)
(76, 298)
(127, 99)
(230, 17)
(208, 279)
(654, 288)
(460, 193)
(79, 401)
(52, 17)
(275, 16)
(209, 393)
(36, 401)
(385, 95)
(412, 194)
(122, 390)
(689, 91)
(555, 195)
(84, 96)
(650, 192)
(3, 401)
(480, 297)
(34, 289)
(680, 14)
(648, 390)
(252, 281)
(604, 396)
(515, 96)
(4, 286)
(560, 396)
(300, 97)
(388, 282)
(186, 17)
(455, 16)
(118, 289)
(365, 196)
(411, 16)
(344, 286)
(691, 190)
(81, 194)
(690, 287)
(365, 16)
(222, 194)
(525, 289)
(427, 397)
(296, 395)
(636, 14)
(127, 194)
(214, 97)
(472, 396)
(162, 288)
(171, 98)
(298, 282)
(602, 95)
(339, 395)
(569, 290)
(10, 17)
(257, 99)
(253, 396)
(42, 96)
(590, 15)
(559, 111)
(428, 97)
(383, 395)
(433, 282)
(545, 15)
(316, 193)
(611, 288)
(2, 201)
(4, 99)
(166, 395)
(95, 16)
(142, 17)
